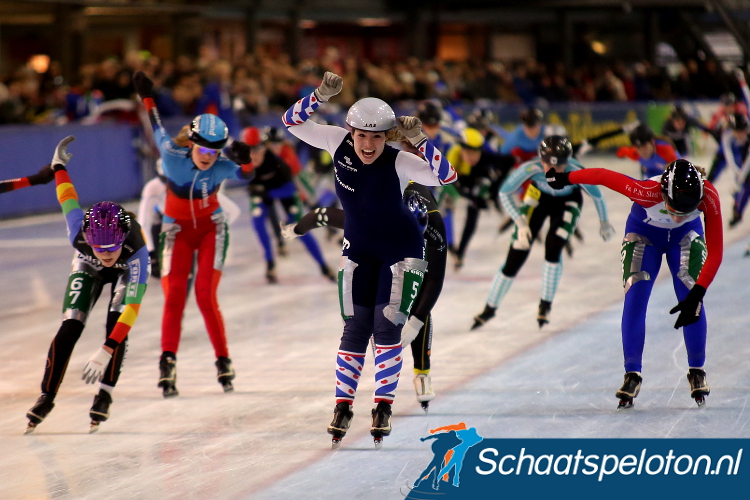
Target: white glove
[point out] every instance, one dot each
(739, 74)
(585, 148)
(411, 128)
(287, 231)
(523, 235)
(629, 127)
(330, 86)
(62, 157)
(606, 230)
(410, 331)
(95, 366)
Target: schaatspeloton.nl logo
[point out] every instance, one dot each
(466, 465)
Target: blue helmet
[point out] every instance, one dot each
(209, 131)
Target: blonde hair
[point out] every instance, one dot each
(182, 138)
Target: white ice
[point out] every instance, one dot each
(267, 439)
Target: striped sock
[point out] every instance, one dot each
(348, 371)
(500, 287)
(551, 274)
(388, 361)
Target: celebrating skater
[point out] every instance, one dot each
(382, 265)
(195, 164)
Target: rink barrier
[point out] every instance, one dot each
(107, 165)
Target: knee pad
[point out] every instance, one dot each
(631, 258)
(408, 275)
(693, 254)
(345, 278)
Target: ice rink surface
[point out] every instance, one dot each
(267, 439)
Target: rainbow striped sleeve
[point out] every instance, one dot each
(138, 273)
(68, 198)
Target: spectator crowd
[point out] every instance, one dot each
(258, 83)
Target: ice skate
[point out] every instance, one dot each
(698, 386)
(329, 273)
(342, 417)
(168, 375)
(271, 273)
(543, 316)
(281, 249)
(423, 386)
(39, 411)
(381, 423)
(483, 317)
(99, 410)
(225, 373)
(629, 390)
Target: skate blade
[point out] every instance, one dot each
(228, 387)
(425, 406)
(94, 427)
(701, 402)
(378, 443)
(170, 393)
(30, 428)
(335, 444)
(625, 404)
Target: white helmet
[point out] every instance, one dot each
(371, 115)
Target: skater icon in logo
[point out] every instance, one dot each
(450, 447)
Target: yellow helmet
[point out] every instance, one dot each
(471, 138)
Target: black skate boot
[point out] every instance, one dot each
(342, 417)
(381, 423)
(271, 272)
(99, 410)
(39, 411)
(281, 250)
(629, 390)
(329, 273)
(698, 386)
(543, 316)
(484, 316)
(168, 375)
(225, 373)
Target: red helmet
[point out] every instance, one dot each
(253, 136)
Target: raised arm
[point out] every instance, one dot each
(66, 193)
(44, 176)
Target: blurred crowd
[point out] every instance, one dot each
(258, 83)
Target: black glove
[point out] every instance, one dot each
(238, 152)
(44, 176)
(143, 85)
(690, 307)
(155, 266)
(557, 180)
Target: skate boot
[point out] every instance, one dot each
(329, 273)
(281, 249)
(39, 411)
(543, 316)
(484, 316)
(629, 390)
(342, 417)
(381, 423)
(271, 273)
(698, 386)
(506, 224)
(168, 375)
(99, 410)
(423, 386)
(225, 373)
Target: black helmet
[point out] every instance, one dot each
(641, 135)
(531, 116)
(555, 150)
(429, 112)
(682, 187)
(274, 134)
(738, 121)
(480, 118)
(728, 98)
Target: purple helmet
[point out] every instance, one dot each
(105, 226)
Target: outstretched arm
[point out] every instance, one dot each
(333, 217)
(44, 176)
(66, 192)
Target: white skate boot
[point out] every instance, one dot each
(423, 387)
